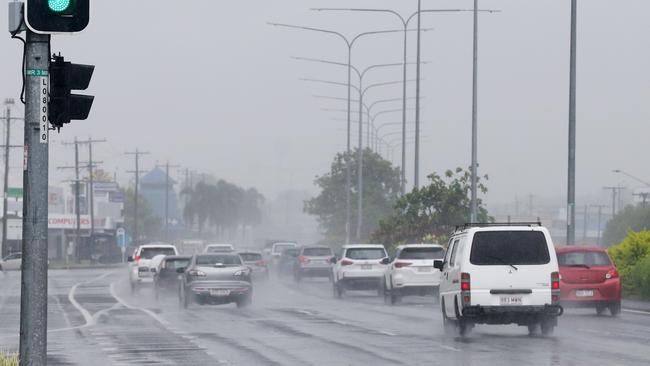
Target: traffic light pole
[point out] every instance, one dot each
(33, 301)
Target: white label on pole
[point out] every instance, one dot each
(42, 108)
(25, 156)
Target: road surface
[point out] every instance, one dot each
(95, 320)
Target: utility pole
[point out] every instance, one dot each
(33, 300)
(571, 189)
(137, 153)
(584, 224)
(3, 246)
(474, 168)
(91, 190)
(77, 205)
(614, 192)
(416, 180)
(167, 166)
(600, 215)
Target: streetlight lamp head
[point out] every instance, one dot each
(616, 171)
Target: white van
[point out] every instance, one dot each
(500, 274)
(142, 265)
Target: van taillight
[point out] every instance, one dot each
(346, 262)
(303, 259)
(402, 264)
(465, 288)
(555, 281)
(465, 282)
(555, 287)
(261, 263)
(612, 273)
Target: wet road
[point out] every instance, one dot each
(95, 320)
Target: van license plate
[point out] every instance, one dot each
(219, 292)
(366, 266)
(511, 300)
(585, 293)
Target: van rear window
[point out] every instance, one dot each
(422, 253)
(498, 248)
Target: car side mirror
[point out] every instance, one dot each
(180, 270)
(385, 261)
(129, 259)
(438, 264)
(333, 260)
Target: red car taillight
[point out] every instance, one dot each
(303, 259)
(465, 287)
(555, 287)
(402, 264)
(612, 273)
(261, 263)
(137, 258)
(346, 262)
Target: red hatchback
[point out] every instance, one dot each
(588, 278)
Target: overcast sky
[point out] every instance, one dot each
(209, 85)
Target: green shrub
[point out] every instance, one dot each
(640, 278)
(7, 359)
(634, 248)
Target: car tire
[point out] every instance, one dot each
(244, 301)
(600, 309)
(449, 325)
(395, 296)
(547, 326)
(381, 289)
(133, 288)
(533, 328)
(156, 292)
(615, 308)
(338, 291)
(183, 299)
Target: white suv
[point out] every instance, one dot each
(411, 272)
(500, 274)
(360, 268)
(142, 267)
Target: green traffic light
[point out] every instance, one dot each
(58, 5)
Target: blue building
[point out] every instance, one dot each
(153, 187)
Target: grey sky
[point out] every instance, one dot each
(209, 85)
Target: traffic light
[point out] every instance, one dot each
(65, 77)
(57, 16)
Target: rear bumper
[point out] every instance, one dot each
(204, 292)
(608, 291)
(418, 290)
(521, 315)
(360, 283)
(314, 271)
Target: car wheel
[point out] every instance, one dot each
(244, 301)
(183, 298)
(449, 325)
(615, 308)
(533, 328)
(338, 291)
(381, 289)
(547, 326)
(133, 288)
(395, 296)
(600, 309)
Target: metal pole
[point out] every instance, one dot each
(3, 249)
(360, 164)
(167, 202)
(571, 189)
(474, 199)
(77, 204)
(600, 214)
(137, 198)
(584, 225)
(416, 180)
(91, 193)
(33, 300)
(348, 173)
(403, 170)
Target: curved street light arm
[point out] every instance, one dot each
(327, 62)
(330, 82)
(344, 38)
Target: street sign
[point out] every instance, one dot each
(120, 234)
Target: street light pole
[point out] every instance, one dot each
(474, 198)
(349, 43)
(571, 189)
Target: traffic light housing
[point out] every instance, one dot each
(65, 77)
(57, 16)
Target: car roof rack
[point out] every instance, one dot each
(490, 224)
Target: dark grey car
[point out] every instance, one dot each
(218, 278)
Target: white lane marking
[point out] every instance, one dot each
(132, 307)
(448, 348)
(385, 332)
(636, 311)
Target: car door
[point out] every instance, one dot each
(446, 285)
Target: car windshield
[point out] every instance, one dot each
(176, 263)
(148, 253)
(497, 248)
(422, 253)
(250, 257)
(365, 253)
(212, 259)
(584, 258)
(279, 248)
(317, 252)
